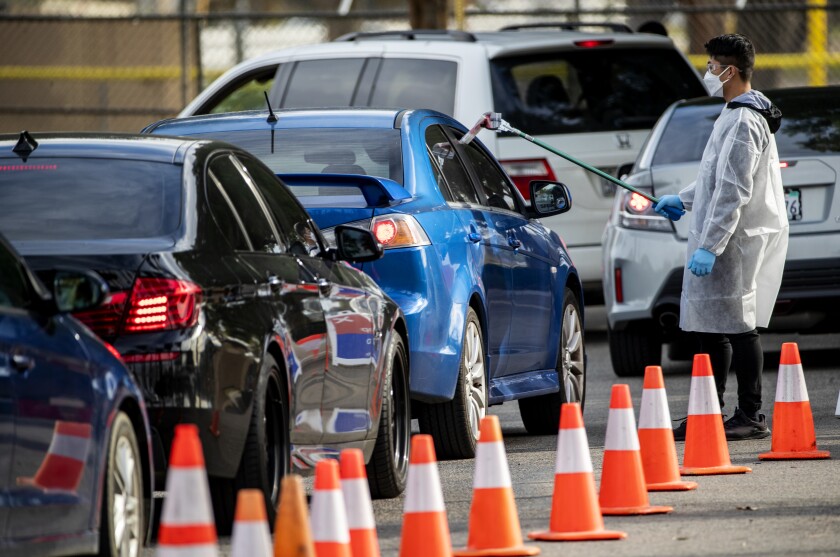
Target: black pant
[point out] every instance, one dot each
(743, 353)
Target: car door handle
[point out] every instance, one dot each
(513, 242)
(22, 362)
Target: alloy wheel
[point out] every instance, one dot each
(126, 508)
(474, 378)
(573, 357)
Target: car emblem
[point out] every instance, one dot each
(623, 140)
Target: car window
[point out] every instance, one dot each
(300, 237)
(133, 199)
(448, 167)
(591, 89)
(247, 93)
(494, 182)
(245, 203)
(226, 218)
(686, 134)
(15, 291)
(397, 84)
(319, 83)
(810, 124)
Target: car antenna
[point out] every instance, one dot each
(272, 118)
(25, 145)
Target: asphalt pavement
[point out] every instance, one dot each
(781, 508)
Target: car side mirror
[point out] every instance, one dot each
(549, 198)
(78, 291)
(356, 245)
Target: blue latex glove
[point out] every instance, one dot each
(701, 262)
(670, 206)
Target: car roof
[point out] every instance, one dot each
(94, 145)
(288, 119)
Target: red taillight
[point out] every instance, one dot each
(153, 357)
(522, 171)
(638, 203)
(594, 43)
(385, 231)
(105, 319)
(159, 304)
(619, 287)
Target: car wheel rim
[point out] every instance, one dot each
(572, 357)
(126, 504)
(400, 424)
(276, 456)
(474, 377)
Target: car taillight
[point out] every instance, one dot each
(619, 286)
(636, 212)
(105, 319)
(159, 304)
(398, 231)
(522, 171)
(593, 43)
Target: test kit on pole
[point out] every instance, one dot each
(493, 121)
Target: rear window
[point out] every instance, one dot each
(407, 83)
(686, 134)
(366, 151)
(88, 199)
(591, 89)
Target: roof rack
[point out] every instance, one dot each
(412, 34)
(570, 26)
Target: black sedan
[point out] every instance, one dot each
(226, 303)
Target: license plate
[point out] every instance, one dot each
(793, 200)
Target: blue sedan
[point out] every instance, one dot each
(75, 450)
(492, 299)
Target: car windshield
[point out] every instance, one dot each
(88, 199)
(590, 89)
(366, 151)
(810, 127)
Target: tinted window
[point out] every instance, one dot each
(14, 286)
(686, 134)
(596, 89)
(447, 167)
(323, 83)
(493, 181)
(245, 94)
(226, 219)
(369, 151)
(289, 216)
(810, 123)
(407, 83)
(245, 204)
(88, 199)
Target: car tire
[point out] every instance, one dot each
(388, 465)
(634, 348)
(541, 414)
(266, 457)
(454, 424)
(122, 527)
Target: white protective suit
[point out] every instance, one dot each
(738, 213)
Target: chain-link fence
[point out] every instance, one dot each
(63, 72)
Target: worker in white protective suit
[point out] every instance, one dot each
(738, 233)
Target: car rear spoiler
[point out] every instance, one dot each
(378, 192)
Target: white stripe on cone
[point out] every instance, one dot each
(790, 385)
(187, 498)
(572, 452)
(328, 520)
(491, 469)
(357, 504)
(654, 412)
(621, 431)
(70, 446)
(703, 398)
(207, 550)
(837, 410)
(251, 539)
(422, 490)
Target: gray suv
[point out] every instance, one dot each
(595, 95)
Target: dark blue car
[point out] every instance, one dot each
(491, 297)
(75, 450)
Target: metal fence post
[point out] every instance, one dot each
(817, 42)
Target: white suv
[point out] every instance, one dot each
(593, 95)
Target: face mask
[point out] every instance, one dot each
(714, 84)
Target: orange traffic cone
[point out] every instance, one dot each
(292, 537)
(793, 422)
(575, 514)
(354, 487)
(623, 488)
(64, 464)
(656, 438)
(706, 451)
(494, 522)
(425, 530)
(250, 537)
(186, 522)
(328, 517)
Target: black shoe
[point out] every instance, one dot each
(679, 431)
(740, 426)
